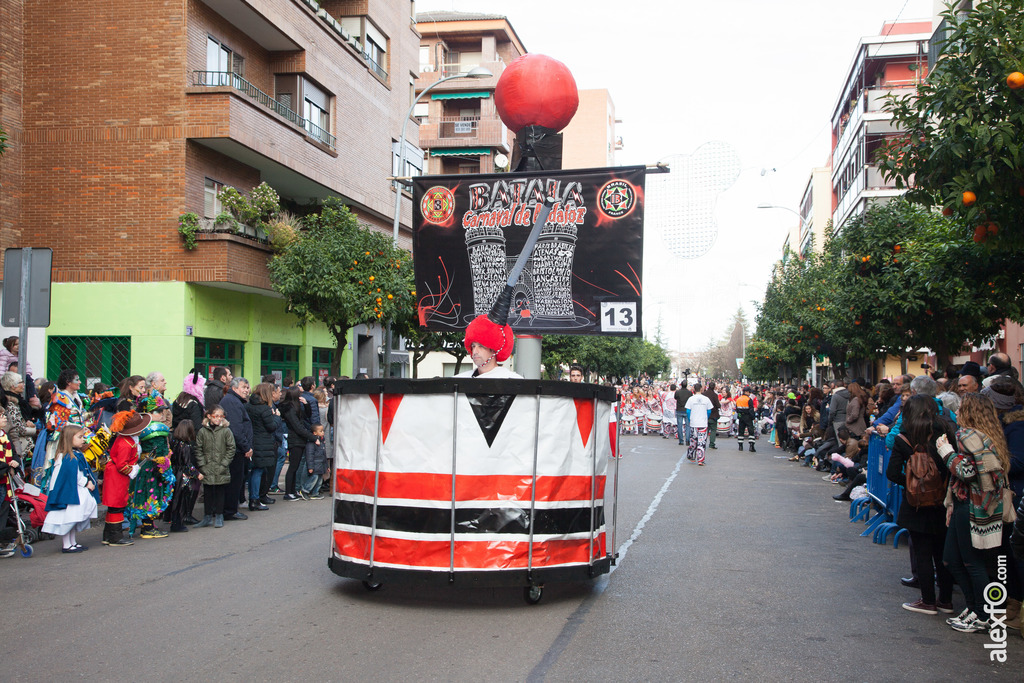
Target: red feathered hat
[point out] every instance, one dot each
(498, 338)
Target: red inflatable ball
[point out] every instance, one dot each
(536, 90)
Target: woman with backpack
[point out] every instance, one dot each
(915, 465)
(977, 467)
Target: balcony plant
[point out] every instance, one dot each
(188, 226)
(254, 210)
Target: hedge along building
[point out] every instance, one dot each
(119, 123)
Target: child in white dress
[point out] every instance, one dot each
(70, 503)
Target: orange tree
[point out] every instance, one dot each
(908, 277)
(899, 276)
(342, 274)
(964, 127)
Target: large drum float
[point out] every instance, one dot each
(471, 482)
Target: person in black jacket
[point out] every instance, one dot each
(220, 378)
(299, 434)
(189, 403)
(265, 423)
(237, 416)
(682, 395)
(716, 405)
(927, 523)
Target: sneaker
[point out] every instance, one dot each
(944, 607)
(274, 491)
(316, 496)
(970, 624)
(290, 496)
(7, 550)
(303, 494)
(959, 617)
(152, 533)
(920, 606)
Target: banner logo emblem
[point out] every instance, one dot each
(437, 205)
(616, 198)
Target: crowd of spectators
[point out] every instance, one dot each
(221, 444)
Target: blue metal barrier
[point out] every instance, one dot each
(883, 494)
(877, 484)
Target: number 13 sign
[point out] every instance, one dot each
(618, 316)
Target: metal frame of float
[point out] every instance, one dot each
(532, 578)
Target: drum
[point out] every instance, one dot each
(471, 481)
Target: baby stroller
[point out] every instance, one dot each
(27, 498)
(792, 429)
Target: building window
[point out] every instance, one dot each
(221, 62)
(316, 109)
(211, 353)
(317, 120)
(376, 55)
(279, 360)
(413, 160)
(211, 198)
(425, 64)
(322, 359)
(96, 359)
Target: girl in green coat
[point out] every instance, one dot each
(215, 448)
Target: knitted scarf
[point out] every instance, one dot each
(978, 478)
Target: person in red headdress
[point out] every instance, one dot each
(488, 344)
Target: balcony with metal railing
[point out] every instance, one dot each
(227, 79)
(449, 132)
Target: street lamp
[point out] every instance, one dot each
(475, 72)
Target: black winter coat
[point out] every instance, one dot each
(299, 433)
(213, 393)
(927, 519)
(190, 411)
(264, 425)
(241, 425)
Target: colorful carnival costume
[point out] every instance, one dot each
(65, 408)
(653, 414)
(119, 471)
(151, 491)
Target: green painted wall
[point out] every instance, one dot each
(155, 315)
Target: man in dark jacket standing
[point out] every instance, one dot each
(233, 403)
(837, 406)
(715, 414)
(682, 395)
(214, 391)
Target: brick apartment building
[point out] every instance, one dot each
(460, 131)
(122, 118)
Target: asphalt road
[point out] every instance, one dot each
(741, 570)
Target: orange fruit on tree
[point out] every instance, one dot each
(969, 198)
(980, 234)
(992, 228)
(947, 211)
(897, 248)
(1015, 80)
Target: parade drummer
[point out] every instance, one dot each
(488, 344)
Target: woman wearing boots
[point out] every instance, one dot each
(264, 445)
(215, 449)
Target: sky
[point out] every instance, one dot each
(762, 77)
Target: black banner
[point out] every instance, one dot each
(585, 275)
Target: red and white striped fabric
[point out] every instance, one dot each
(493, 481)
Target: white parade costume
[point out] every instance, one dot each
(73, 517)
